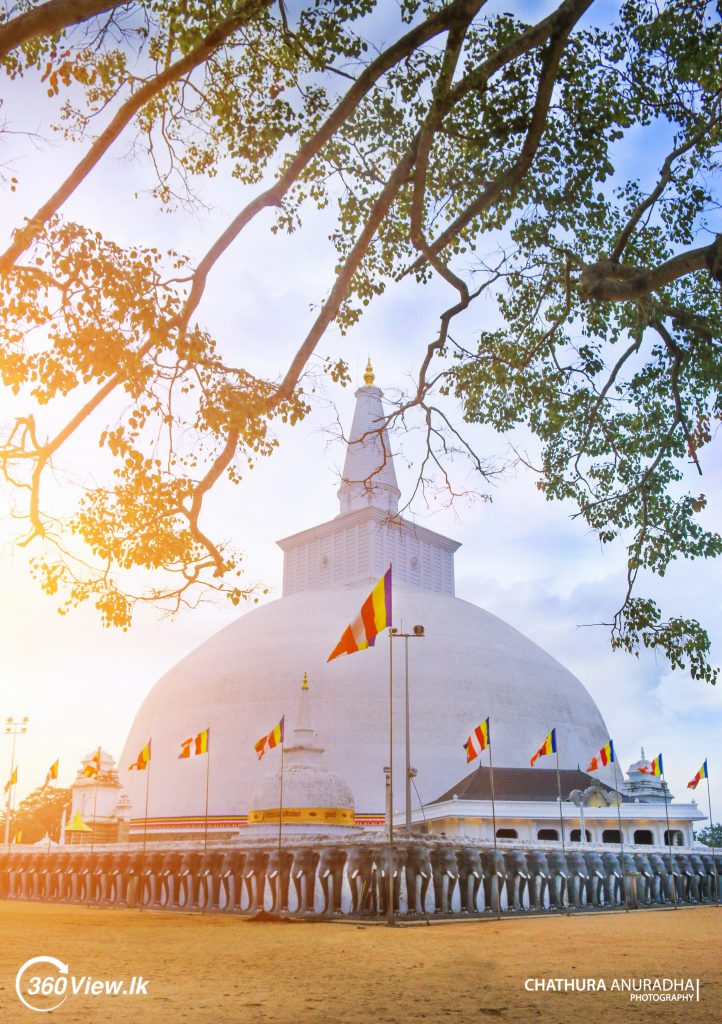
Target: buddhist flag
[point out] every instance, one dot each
(273, 739)
(603, 758)
(93, 766)
(470, 751)
(52, 772)
(549, 746)
(701, 774)
(193, 745)
(141, 762)
(12, 780)
(483, 734)
(656, 767)
(374, 616)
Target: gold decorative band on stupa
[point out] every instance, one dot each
(304, 816)
(369, 375)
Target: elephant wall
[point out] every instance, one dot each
(322, 877)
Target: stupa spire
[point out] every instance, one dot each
(303, 746)
(369, 477)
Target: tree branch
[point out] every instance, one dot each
(619, 282)
(212, 41)
(49, 18)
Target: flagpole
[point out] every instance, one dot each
(145, 828)
(92, 831)
(561, 815)
(390, 893)
(208, 772)
(669, 836)
(280, 809)
(493, 822)
(14, 728)
(619, 819)
(56, 786)
(13, 791)
(714, 848)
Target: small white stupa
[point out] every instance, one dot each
(301, 793)
(642, 786)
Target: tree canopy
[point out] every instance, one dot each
(447, 140)
(41, 814)
(711, 835)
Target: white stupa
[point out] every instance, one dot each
(242, 680)
(301, 794)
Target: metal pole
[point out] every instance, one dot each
(408, 740)
(280, 809)
(561, 820)
(145, 829)
(54, 787)
(714, 848)
(669, 840)
(561, 812)
(621, 840)
(10, 789)
(493, 825)
(390, 893)
(208, 772)
(92, 831)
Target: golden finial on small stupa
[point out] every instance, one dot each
(369, 376)
(304, 684)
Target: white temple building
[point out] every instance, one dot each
(100, 800)
(468, 665)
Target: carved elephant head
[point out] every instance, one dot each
(360, 873)
(446, 874)
(517, 878)
(471, 876)
(305, 864)
(254, 873)
(559, 880)
(210, 878)
(330, 873)
(171, 866)
(540, 875)
(278, 873)
(232, 878)
(578, 876)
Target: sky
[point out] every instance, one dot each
(522, 558)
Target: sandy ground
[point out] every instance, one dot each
(212, 970)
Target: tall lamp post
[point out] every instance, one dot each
(418, 631)
(13, 727)
(393, 635)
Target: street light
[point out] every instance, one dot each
(417, 632)
(13, 727)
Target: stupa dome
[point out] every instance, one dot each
(469, 665)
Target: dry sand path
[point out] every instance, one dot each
(212, 970)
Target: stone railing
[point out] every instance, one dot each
(317, 876)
